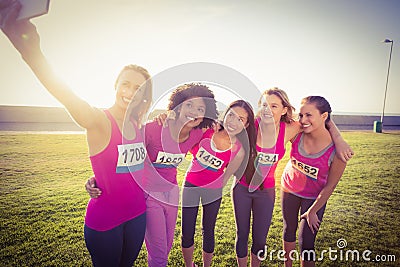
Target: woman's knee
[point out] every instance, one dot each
(187, 241)
(289, 232)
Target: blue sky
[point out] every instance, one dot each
(328, 48)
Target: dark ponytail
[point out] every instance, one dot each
(321, 104)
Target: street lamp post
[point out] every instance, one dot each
(387, 80)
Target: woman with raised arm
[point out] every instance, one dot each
(115, 223)
(194, 109)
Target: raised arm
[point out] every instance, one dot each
(25, 38)
(343, 150)
(292, 129)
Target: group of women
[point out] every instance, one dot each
(135, 193)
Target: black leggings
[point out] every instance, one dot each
(191, 197)
(119, 246)
(291, 204)
(260, 203)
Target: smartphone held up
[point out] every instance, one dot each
(33, 8)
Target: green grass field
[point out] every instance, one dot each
(43, 201)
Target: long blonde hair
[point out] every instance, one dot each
(288, 117)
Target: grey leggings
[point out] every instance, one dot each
(261, 204)
(291, 204)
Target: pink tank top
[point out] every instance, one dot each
(267, 158)
(165, 155)
(115, 169)
(306, 175)
(208, 164)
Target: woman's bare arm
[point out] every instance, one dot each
(25, 38)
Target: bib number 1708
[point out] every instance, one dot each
(130, 157)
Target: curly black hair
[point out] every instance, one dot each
(191, 90)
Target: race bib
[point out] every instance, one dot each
(168, 160)
(208, 161)
(130, 157)
(309, 171)
(267, 159)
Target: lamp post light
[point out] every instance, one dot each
(387, 80)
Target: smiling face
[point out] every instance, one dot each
(271, 107)
(310, 118)
(235, 120)
(191, 91)
(192, 111)
(128, 90)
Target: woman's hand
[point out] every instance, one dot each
(91, 188)
(312, 220)
(344, 151)
(25, 38)
(163, 118)
(217, 125)
(21, 33)
(5, 7)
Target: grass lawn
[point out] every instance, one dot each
(43, 202)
